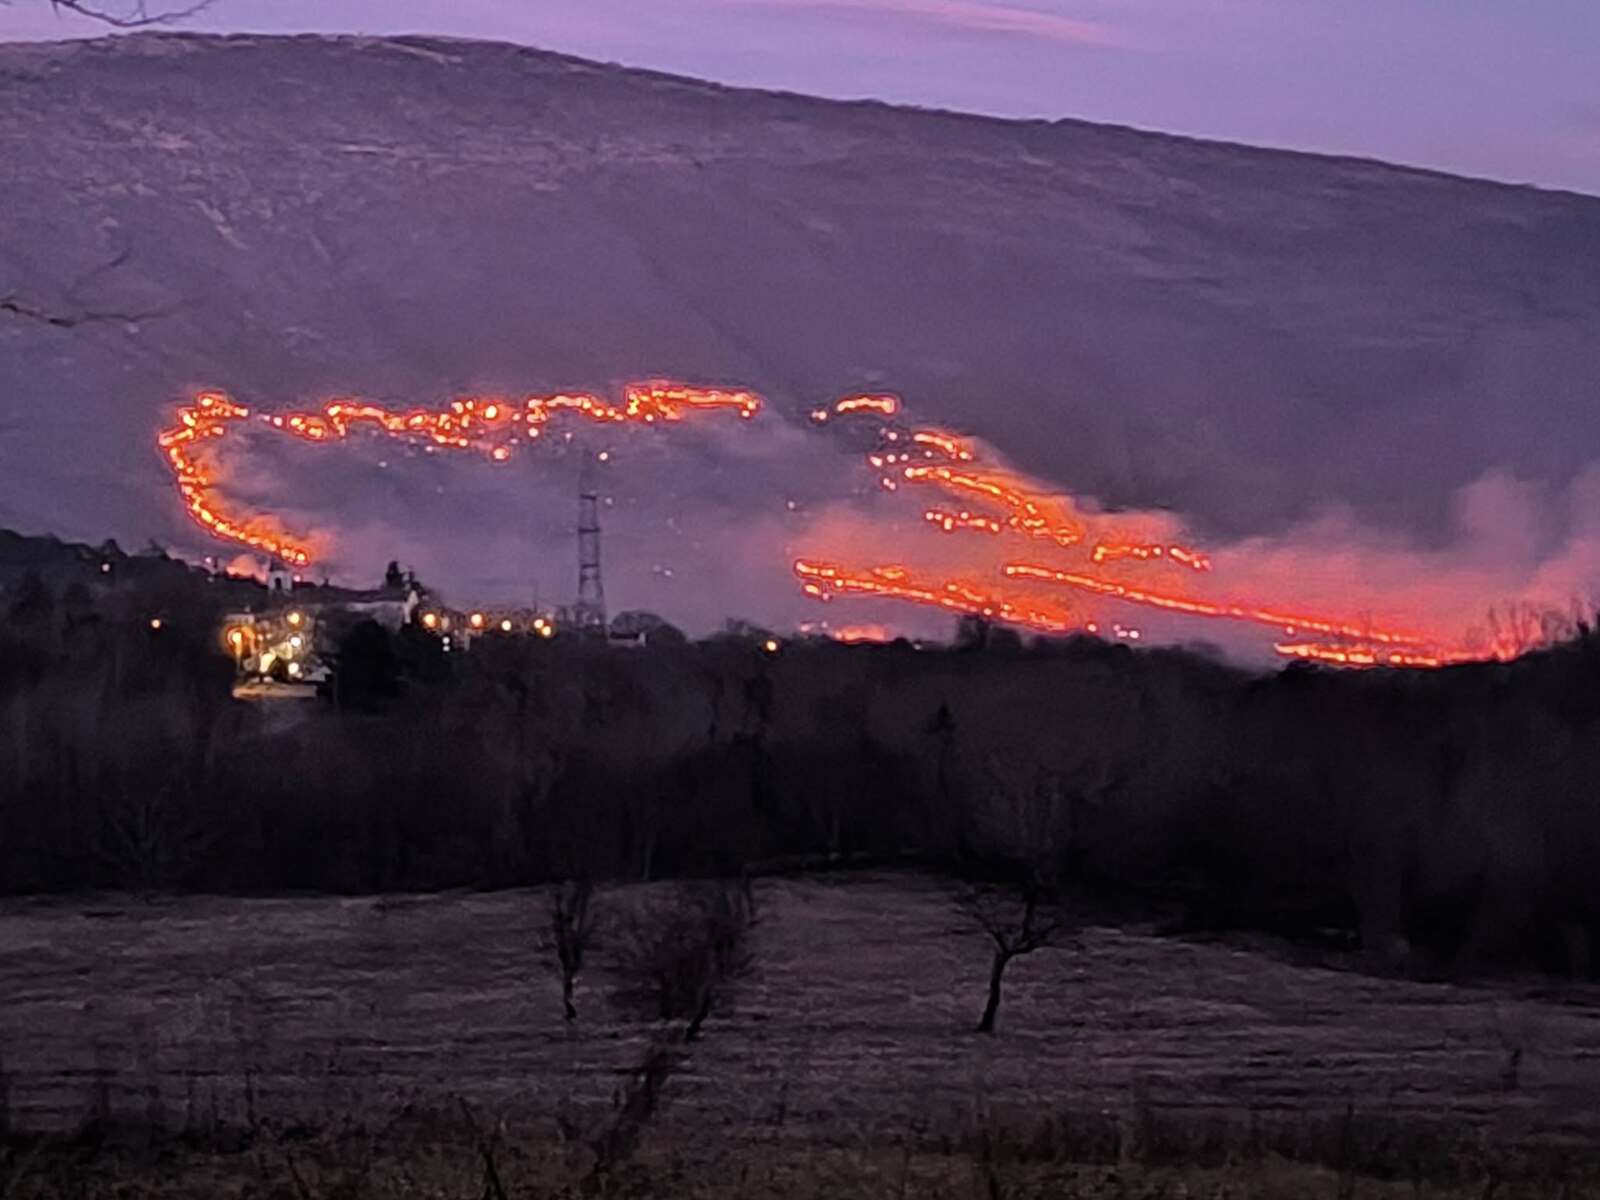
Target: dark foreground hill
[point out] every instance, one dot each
(1244, 335)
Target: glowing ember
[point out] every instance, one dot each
(1204, 608)
(991, 501)
(493, 428)
(884, 406)
(1024, 512)
(827, 580)
(1111, 551)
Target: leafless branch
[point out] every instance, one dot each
(1018, 915)
(1018, 918)
(137, 15)
(681, 959)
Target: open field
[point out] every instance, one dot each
(854, 1027)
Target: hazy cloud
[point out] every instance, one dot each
(966, 15)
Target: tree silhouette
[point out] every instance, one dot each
(572, 928)
(1018, 917)
(132, 14)
(366, 670)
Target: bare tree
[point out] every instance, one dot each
(1018, 917)
(133, 14)
(572, 930)
(680, 960)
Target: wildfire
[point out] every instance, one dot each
(824, 581)
(209, 418)
(1111, 551)
(1025, 513)
(492, 427)
(987, 500)
(883, 405)
(1203, 608)
(925, 457)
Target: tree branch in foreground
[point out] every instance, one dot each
(131, 16)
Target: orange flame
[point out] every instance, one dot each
(1004, 503)
(827, 580)
(883, 405)
(491, 426)
(1204, 608)
(1111, 551)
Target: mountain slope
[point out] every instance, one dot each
(1244, 336)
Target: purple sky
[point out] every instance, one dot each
(1508, 89)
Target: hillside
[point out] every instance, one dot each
(1243, 336)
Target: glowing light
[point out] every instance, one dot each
(943, 443)
(1026, 512)
(294, 669)
(1017, 506)
(505, 625)
(823, 581)
(770, 645)
(295, 619)
(861, 633)
(155, 622)
(465, 424)
(883, 405)
(1204, 608)
(978, 499)
(1183, 555)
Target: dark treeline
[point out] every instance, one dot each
(1443, 818)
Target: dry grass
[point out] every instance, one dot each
(350, 1167)
(856, 1018)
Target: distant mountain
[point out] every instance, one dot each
(1244, 336)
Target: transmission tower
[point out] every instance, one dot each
(590, 610)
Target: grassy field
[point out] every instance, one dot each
(459, 1172)
(195, 1015)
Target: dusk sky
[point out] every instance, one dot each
(1507, 90)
